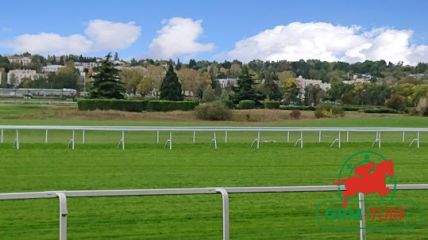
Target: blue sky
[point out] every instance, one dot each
(224, 23)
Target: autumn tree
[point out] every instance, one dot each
(131, 77)
(194, 81)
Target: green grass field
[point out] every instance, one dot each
(100, 164)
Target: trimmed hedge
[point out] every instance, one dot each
(164, 105)
(297, 107)
(272, 104)
(135, 105)
(247, 104)
(112, 104)
(380, 110)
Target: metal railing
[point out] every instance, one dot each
(224, 191)
(377, 131)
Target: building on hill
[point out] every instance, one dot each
(303, 83)
(17, 76)
(359, 78)
(51, 68)
(227, 82)
(21, 60)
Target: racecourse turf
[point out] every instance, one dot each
(101, 164)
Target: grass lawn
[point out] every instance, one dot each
(40, 167)
(100, 164)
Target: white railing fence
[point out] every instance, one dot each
(122, 130)
(224, 191)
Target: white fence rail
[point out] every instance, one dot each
(377, 131)
(224, 191)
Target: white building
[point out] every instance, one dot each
(359, 78)
(51, 68)
(227, 82)
(303, 83)
(88, 65)
(22, 60)
(17, 76)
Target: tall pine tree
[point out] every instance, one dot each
(171, 88)
(106, 81)
(245, 89)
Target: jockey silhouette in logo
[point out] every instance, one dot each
(368, 179)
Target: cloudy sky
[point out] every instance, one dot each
(333, 30)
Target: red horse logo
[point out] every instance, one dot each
(368, 179)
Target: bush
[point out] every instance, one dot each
(228, 103)
(422, 107)
(247, 104)
(215, 111)
(379, 110)
(295, 114)
(272, 104)
(208, 95)
(112, 104)
(396, 102)
(328, 111)
(165, 105)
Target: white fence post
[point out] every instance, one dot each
(46, 136)
(225, 137)
(319, 136)
(418, 139)
(17, 139)
(363, 216)
(170, 140)
(258, 139)
(157, 137)
(83, 137)
(194, 137)
(214, 140)
(63, 212)
(225, 200)
(122, 140)
(73, 140)
(2, 136)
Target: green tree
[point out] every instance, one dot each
(313, 95)
(270, 86)
(106, 83)
(208, 95)
(67, 77)
(170, 88)
(245, 89)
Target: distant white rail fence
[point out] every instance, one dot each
(258, 131)
(224, 191)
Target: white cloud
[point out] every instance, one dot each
(51, 43)
(178, 37)
(325, 41)
(112, 35)
(99, 35)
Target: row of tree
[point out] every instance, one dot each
(282, 87)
